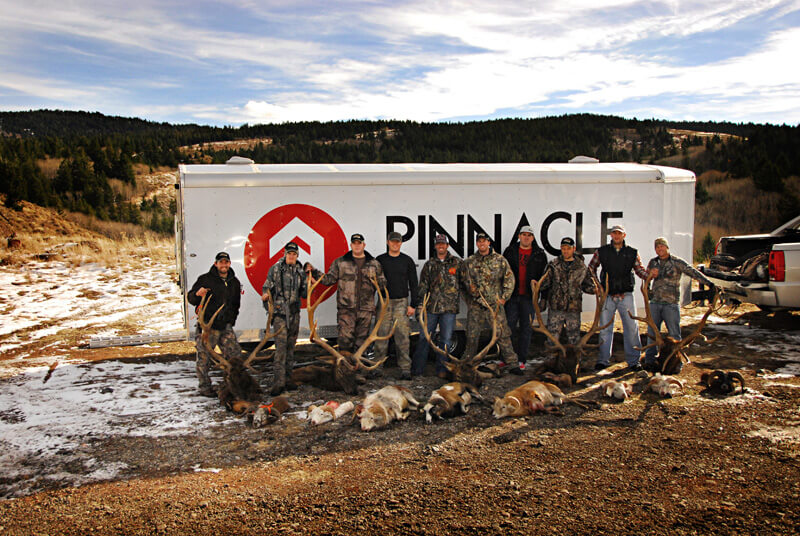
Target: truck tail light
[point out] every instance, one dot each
(777, 266)
(716, 247)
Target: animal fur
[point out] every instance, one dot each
(528, 398)
(615, 389)
(450, 400)
(328, 412)
(722, 382)
(384, 406)
(265, 414)
(664, 385)
(562, 380)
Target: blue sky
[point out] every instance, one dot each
(248, 61)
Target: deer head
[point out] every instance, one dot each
(569, 361)
(345, 366)
(671, 352)
(464, 369)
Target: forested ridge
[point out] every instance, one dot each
(92, 156)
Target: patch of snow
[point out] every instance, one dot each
(97, 400)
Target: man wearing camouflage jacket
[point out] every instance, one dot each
(567, 278)
(665, 295)
(439, 277)
(355, 295)
(487, 273)
(287, 284)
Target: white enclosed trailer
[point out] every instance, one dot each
(251, 211)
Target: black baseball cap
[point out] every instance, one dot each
(483, 235)
(394, 235)
(222, 255)
(567, 241)
(291, 246)
(357, 237)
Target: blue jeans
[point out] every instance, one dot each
(446, 323)
(630, 329)
(670, 314)
(519, 310)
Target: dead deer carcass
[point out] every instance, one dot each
(568, 361)
(527, 399)
(239, 392)
(466, 369)
(340, 370)
(665, 386)
(615, 389)
(671, 352)
(722, 382)
(450, 400)
(389, 404)
(328, 412)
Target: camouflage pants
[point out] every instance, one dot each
(228, 345)
(566, 320)
(284, 346)
(396, 310)
(479, 319)
(353, 328)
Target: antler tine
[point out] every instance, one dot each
(205, 328)
(696, 333)
(373, 335)
(423, 320)
(311, 307)
(541, 327)
(600, 295)
(267, 335)
(477, 358)
(648, 318)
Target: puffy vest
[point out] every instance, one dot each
(618, 265)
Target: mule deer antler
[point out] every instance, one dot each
(206, 328)
(267, 335)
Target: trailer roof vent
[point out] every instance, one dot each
(584, 160)
(239, 161)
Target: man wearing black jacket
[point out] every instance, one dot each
(224, 289)
(528, 262)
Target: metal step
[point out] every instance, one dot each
(135, 340)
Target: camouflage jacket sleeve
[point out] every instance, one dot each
(465, 279)
(379, 274)
(587, 285)
(333, 274)
(546, 281)
(423, 287)
(692, 272)
(508, 280)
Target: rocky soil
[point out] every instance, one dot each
(691, 464)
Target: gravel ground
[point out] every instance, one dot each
(692, 464)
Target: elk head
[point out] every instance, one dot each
(238, 385)
(465, 369)
(671, 352)
(569, 360)
(345, 366)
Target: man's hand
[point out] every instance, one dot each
(410, 311)
(265, 296)
(501, 301)
(202, 291)
(653, 272)
(308, 267)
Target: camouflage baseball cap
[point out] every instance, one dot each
(483, 236)
(567, 241)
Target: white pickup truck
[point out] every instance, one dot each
(760, 269)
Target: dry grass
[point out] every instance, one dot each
(49, 166)
(738, 207)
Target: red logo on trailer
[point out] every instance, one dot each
(319, 237)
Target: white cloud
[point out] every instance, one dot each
(499, 56)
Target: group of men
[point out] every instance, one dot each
(485, 280)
